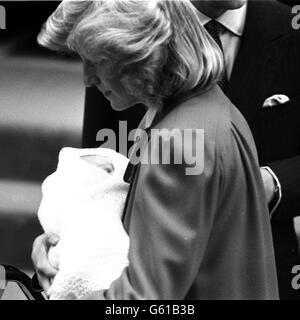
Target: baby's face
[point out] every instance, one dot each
(102, 162)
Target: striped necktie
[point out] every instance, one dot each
(214, 28)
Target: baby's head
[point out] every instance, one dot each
(100, 161)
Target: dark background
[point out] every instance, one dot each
(28, 153)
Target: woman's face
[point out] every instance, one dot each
(108, 82)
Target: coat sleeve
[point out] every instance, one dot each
(171, 221)
(288, 173)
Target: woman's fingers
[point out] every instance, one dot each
(40, 259)
(51, 239)
(45, 271)
(44, 282)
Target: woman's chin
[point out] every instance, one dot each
(119, 107)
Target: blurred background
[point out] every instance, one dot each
(41, 111)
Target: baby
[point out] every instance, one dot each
(82, 202)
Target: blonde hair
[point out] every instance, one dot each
(159, 46)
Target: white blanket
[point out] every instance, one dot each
(82, 203)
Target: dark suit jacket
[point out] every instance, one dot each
(268, 63)
(203, 236)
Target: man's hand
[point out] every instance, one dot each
(44, 269)
(269, 184)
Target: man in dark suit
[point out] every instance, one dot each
(267, 64)
(262, 59)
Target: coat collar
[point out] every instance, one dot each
(233, 20)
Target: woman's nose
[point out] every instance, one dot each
(89, 77)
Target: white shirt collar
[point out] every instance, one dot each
(233, 20)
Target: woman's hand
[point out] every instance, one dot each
(45, 271)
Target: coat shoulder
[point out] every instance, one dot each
(199, 111)
(214, 115)
(211, 111)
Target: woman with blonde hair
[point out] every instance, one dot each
(194, 234)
